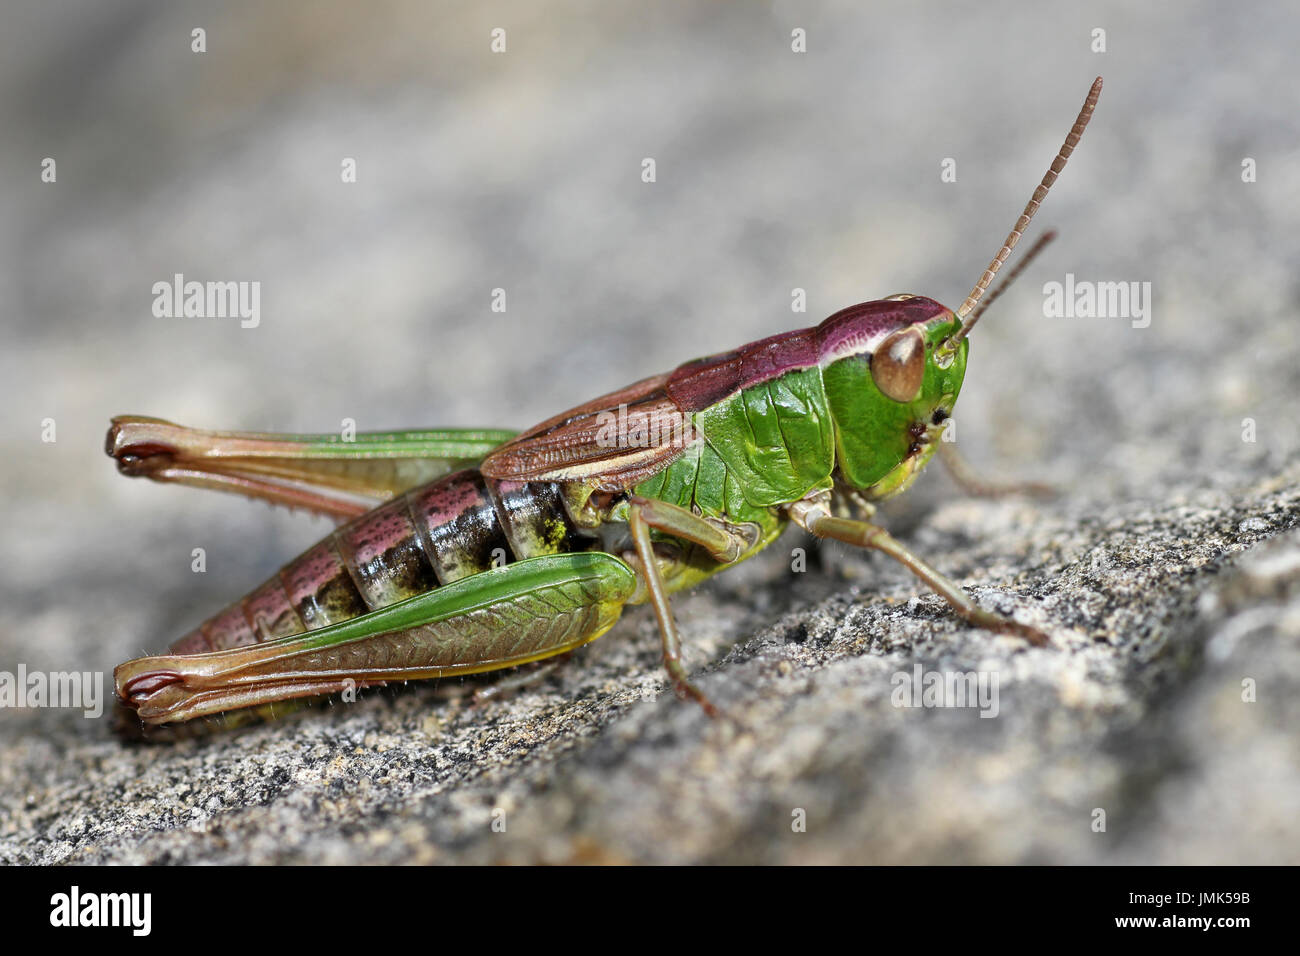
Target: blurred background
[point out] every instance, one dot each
(522, 170)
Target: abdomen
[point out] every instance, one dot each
(456, 526)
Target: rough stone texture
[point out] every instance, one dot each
(1167, 571)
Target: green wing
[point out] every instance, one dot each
(498, 618)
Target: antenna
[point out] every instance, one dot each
(1058, 164)
(1010, 277)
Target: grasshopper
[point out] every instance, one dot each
(463, 551)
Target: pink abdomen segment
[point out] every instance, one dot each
(434, 534)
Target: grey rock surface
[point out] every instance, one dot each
(1167, 569)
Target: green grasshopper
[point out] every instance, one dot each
(468, 551)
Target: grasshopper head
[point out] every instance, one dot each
(893, 368)
(891, 382)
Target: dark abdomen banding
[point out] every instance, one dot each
(458, 523)
(435, 534)
(535, 519)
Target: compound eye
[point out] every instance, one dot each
(898, 365)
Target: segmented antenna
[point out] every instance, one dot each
(1058, 164)
(1009, 278)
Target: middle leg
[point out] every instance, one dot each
(725, 544)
